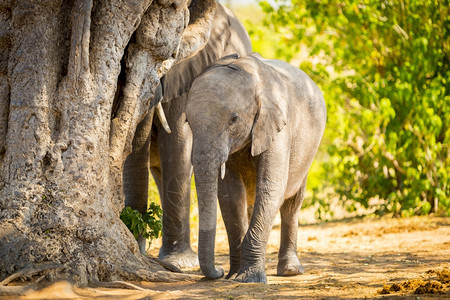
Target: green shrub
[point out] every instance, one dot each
(384, 69)
(148, 225)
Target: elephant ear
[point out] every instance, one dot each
(271, 96)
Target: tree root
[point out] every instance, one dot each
(127, 273)
(118, 284)
(145, 275)
(162, 276)
(17, 290)
(29, 271)
(135, 275)
(42, 267)
(158, 276)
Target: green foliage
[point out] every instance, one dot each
(383, 68)
(148, 225)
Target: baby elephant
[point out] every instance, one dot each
(257, 123)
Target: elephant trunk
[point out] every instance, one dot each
(206, 176)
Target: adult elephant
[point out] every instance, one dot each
(170, 154)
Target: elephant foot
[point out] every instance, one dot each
(181, 259)
(253, 274)
(289, 267)
(232, 273)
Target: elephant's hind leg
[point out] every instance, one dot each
(288, 263)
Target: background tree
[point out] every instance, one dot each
(384, 70)
(62, 145)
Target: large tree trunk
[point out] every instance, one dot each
(61, 152)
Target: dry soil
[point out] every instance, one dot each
(351, 258)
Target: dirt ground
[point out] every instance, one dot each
(352, 258)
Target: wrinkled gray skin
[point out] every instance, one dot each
(170, 154)
(265, 120)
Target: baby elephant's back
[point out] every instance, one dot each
(304, 87)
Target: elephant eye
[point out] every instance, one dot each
(233, 118)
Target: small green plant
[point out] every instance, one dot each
(148, 225)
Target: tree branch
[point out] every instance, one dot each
(197, 32)
(31, 271)
(16, 290)
(79, 49)
(157, 39)
(118, 284)
(113, 23)
(5, 45)
(160, 42)
(78, 81)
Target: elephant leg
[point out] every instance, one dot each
(270, 188)
(136, 171)
(254, 244)
(233, 206)
(288, 263)
(176, 172)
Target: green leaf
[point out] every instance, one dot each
(148, 225)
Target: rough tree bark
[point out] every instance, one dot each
(61, 152)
